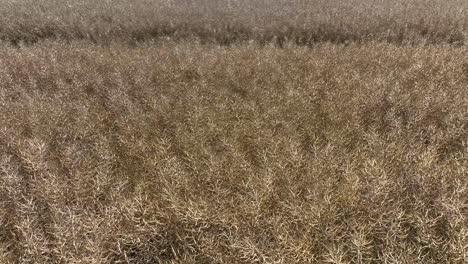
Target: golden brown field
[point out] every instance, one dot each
(334, 136)
(229, 22)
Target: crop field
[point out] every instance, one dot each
(207, 131)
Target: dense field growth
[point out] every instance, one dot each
(355, 154)
(233, 131)
(227, 22)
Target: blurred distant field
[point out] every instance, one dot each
(226, 22)
(233, 131)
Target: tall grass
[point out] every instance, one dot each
(181, 153)
(204, 131)
(232, 21)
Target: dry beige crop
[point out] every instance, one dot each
(226, 22)
(234, 131)
(182, 153)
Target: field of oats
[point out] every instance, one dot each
(234, 131)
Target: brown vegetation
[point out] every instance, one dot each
(226, 22)
(351, 154)
(209, 131)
